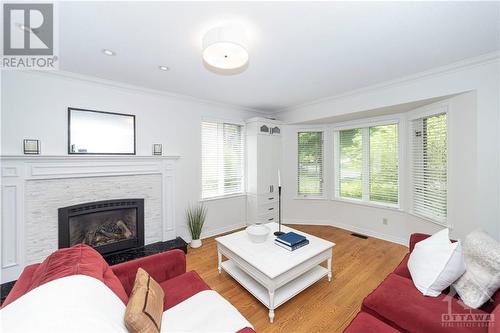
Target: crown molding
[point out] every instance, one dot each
(468, 63)
(450, 68)
(143, 90)
(87, 157)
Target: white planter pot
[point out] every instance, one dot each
(195, 243)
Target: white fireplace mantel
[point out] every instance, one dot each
(16, 171)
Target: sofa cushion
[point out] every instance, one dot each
(494, 326)
(397, 302)
(79, 259)
(145, 305)
(161, 267)
(482, 278)
(181, 288)
(364, 323)
(435, 263)
(22, 284)
(402, 269)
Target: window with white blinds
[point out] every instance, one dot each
(222, 159)
(429, 167)
(384, 148)
(367, 162)
(351, 163)
(310, 164)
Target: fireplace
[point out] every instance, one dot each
(108, 226)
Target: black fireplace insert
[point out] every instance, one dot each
(108, 226)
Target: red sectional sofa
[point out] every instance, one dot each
(397, 306)
(167, 268)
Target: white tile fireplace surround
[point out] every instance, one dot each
(34, 187)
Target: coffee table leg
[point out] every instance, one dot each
(271, 306)
(330, 269)
(219, 261)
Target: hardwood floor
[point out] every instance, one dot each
(359, 266)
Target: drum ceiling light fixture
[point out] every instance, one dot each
(225, 48)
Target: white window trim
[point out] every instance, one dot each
(366, 123)
(244, 136)
(428, 111)
(221, 197)
(373, 204)
(298, 196)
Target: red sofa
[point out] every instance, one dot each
(167, 268)
(397, 306)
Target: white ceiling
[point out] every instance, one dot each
(299, 51)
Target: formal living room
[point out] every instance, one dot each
(242, 167)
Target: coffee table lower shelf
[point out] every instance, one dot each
(283, 293)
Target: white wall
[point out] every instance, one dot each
(34, 105)
(474, 151)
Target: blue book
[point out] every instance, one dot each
(291, 248)
(291, 238)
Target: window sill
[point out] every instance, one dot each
(369, 204)
(431, 220)
(309, 198)
(222, 197)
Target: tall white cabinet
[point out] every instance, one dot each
(263, 161)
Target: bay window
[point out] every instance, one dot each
(367, 164)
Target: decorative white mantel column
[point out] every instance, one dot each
(33, 187)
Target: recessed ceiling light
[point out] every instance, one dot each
(163, 68)
(108, 52)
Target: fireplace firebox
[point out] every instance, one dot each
(108, 226)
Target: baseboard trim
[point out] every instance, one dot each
(351, 228)
(222, 230)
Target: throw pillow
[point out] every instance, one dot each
(78, 259)
(145, 305)
(435, 263)
(482, 278)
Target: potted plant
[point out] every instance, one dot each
(195, 219)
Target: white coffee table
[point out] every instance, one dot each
(270, 273)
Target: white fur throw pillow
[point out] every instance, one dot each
(482, 278)
(435, 263)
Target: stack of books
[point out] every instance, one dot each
(291, 241)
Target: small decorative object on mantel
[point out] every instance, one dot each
(157, 149)
(31, 146)
(195, 219)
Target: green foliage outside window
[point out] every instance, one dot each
(351, 163)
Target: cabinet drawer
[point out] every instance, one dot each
(268, 207)
(269, 217)
(267, 198)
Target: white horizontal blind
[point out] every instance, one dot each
(384, 180)
(351, 163)
(233, 158)
(310, 164)
(430, 167)
(222, 159)
(366, 160)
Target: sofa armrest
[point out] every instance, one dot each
(415, 238)
(22, 284)
(162, 266)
